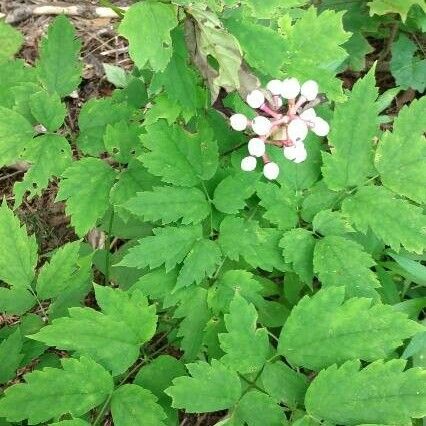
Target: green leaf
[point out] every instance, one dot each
(49, 156)
(73, 422)
(16, 300)
(18, 251)
(10, 356)
(298, 250)
(381, 7)
(168, 246)
(267, 40)
(133, 309)
(339, 261)
(11, 41)
(395, 221)
(179, 157)
(256, 408)
(59, 68)
(353, 128)
(211, 387)
(381, 393)
(210, 39)
(232, 192)
(357, 47)
(147, 26)
(55, 276)
(85, 186)
(132, 404)
(170, 204)
(407, 69)
(280, 204)
(416, 270)
(163, 107)
(284, 384)
(179, 79)
(15, 134)
(401, 155)
(121, 139)
(201, 262)
(246, 347)
(48, 110)
(37, 399)
(328, 222)
(320, 60)
(258, 246)
(116, 75)
(323, 330)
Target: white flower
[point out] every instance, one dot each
(275, 87)
(309, 90)
(239, 122)
(271, 170)
(321, 127)
(308, 115)
(297, 130)
(255, 99)
(248, 164)
(261, 125)
(290, 88)
(301, 154)
(256, 147)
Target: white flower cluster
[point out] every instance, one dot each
(283, 126)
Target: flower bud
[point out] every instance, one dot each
(321, 127)
(248, 164)
(275, 87)
(308, 115)
(271, 170)
(239, 122)
(261, 125)
(256, 147)
(297, 130)
(309, 90)
(255, 99)
(290, 88)
(301, 153)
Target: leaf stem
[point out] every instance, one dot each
(108, 248)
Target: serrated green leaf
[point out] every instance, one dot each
(147, 26)
(133, 309)
(320, 60)
(54, 277)
(18, 251)
(168, 246)
(121, 139)
(53, 392)
(179, 157)
(256, 408)
(10, 356)
(258, 246)
(11, 41)
(59, 68)
(397, 222)
(85, 186)
(324, 329)
(162, 108)
(15, 133)
(382, 7)
(132, 404)
(48, 110)
(357, 47)
(401, 155)
(284, 384)
(407, 69)
(211, 387)
(246, 347)
(381, 393)
(73, 422)
(280, 204)
(201, 262)
(267, 40)
(298, 250)
(49, 156)
(328, 222)
(16, 300)
(170, 204)
(353, 128)
(339, 261)
(232, 192)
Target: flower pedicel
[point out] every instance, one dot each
(285, 129)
